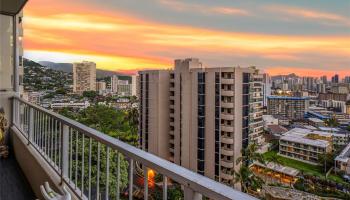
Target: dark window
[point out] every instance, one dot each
(201, 145)
(201, 121)
(246, 77)
(201, 133)
(245, 88)
(201, 77)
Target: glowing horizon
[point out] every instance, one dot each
(120, 40)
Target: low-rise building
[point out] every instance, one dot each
(76, 105)
(342, 161)
(305, 145)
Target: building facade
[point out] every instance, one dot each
(305, 145)
(292, 108)
(84, 77)
(201, 118)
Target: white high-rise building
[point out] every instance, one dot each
(134, 85)
(267, 84)
(114, 83)
(84, 77)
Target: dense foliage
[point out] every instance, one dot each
(116, 123)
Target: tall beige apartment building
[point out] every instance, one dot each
(84, 77)
(201, 118)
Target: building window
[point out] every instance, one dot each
(201, 123)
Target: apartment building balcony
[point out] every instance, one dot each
(227, 152)
(227, 140)
(227, 116)
(227, 128)
(226, 176)
(227, 164)
(227, 81)
(227, 105)
(228, 93)
(46, 143)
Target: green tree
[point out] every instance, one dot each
(250, 154)
(113, 123)
(90, 94)
(326, 161)
(332, 122)
(61, 91)
(246, 178)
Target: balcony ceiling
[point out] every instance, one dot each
(11, 7)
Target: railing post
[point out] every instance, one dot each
(64, 151)
(145, 177)
(15, 111)
(131, 178)
(165, 187)
(189, 194)
(31, 125)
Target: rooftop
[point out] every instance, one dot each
(279, 168)
(315, 120)
(300, 135)
(344, 156)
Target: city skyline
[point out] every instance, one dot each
(277, 37)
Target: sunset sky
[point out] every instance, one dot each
(310, 38)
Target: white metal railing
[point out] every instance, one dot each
(84, 157)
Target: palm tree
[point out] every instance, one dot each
(242, 177)
(332, 122)
(246, 178)
(275, 159)
(250, 154)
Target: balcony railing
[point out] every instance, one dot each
(83, 157)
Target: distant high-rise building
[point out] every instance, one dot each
(201, 118)
(267, 85)
(321, 88)
(347, 79)
(134, 85)
(101, 86)
(324, 79)
(335, 79)
(114, 83)
(84, 77)
(123, 87)
(288, 107)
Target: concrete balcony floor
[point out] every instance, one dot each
(13, 183)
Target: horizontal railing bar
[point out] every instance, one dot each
(198, 183)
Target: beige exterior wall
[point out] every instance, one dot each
(84, 77)
(179, 87)
(154, 114)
